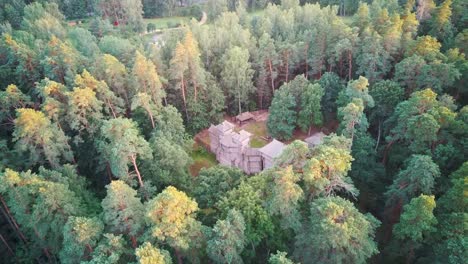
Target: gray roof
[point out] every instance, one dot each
(225, 126)
(315, 139)
(244, 116)
(273, 149)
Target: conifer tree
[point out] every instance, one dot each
(148, 254)
(120, 143)
(336, 232)
(112, 104)
(80, 236)
(84, 111)
(326, 172)
(286, 195)
(146, 79)
(35, 134)
(172, 217)
(123, 210)
(228, 239)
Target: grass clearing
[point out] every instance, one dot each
(259, 132)
(202, 158)
(257, 142)
(259, 129)
(168, 22)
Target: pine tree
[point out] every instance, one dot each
(119, 144)
(83, 111)
(178, 227)
(123, 210)
(114, 73)
(112, 104)
(80, 236)
(336, 232)
(35, 134)
(148, 254)
(418, 177)
(326, 172)
(352, 115)
(279, 258)
(416, 222)
(286, 195)
(146, 79)
(228, 239)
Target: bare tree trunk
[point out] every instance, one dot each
(270, 66)
(16, 227)
(350, 70)
(378, 137)
(179, 257)
(6, 244)
(183, 97)
(239, 93)
(140, 181)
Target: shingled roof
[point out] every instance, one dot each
(273, 149)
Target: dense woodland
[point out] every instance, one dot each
(97, 126)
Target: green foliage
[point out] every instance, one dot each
(418, 177)
(417, 219)
(237, 75)
(332, 86)
(120, 144)
(310, 113)
(148, 254)
(285, 198)
(109, 250)
(123, 210)
(176, 227)
(248, 201)
(36, 135)
(450, 212)
(282, 114)
(119, 93)
(326, 172)
(213, 183)
(80, 234)
(279, 258)
(336, 232)
(228, 239)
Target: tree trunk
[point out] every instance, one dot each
(350, 70)
(378, 137)
(16, 227)
(270, 66)
(140, 181)
(183, 97)
(151, 118)
(7, 246)
(179, 256)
